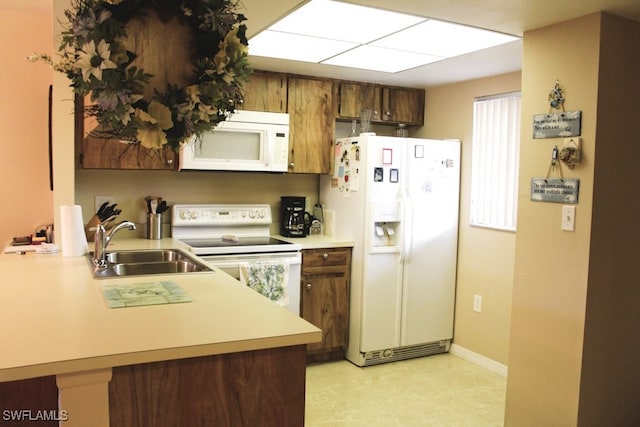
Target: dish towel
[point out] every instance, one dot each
(268, 278)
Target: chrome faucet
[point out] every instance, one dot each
(102, 239)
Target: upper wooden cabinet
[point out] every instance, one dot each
(311, 124)
(265, 92)
(390, 105)
(96, 153)
(401, 105)
(355, 97)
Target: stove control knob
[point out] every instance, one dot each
(252, 214)
(261, 213)
(193, 215)
(183, 214)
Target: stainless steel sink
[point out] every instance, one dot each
(151, 255)
(147, 262)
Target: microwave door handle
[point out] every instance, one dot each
(266, 136)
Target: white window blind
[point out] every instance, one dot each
(495, 161)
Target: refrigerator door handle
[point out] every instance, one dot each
(407, 226)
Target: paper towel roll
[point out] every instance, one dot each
(74, 241)
(329, 222)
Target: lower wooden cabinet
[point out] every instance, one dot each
(325, 300)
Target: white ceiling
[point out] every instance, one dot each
(508, 16)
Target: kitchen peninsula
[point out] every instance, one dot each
(228, 357)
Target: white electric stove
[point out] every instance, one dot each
(230, 236)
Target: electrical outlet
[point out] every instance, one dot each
(477, 303)
(99, 200)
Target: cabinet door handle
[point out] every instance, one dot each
(325, 255)
(308, 286)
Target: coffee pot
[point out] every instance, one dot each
(294, 220)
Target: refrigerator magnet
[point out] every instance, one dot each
(419, 152)
(378, 175)
(387, 156)
(393, 175)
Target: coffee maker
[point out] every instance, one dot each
(294, 221)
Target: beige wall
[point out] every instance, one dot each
(610, 379)
(26, 200)
(485, 257)
(574, 337)
(130, 187)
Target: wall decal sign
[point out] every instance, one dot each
(563, 190)
(555, 125)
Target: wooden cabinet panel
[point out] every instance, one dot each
(99, 153)
(390, 105)
(311, 124)
(403, 106)
(254, 388)
(324, 305)
(265, 92)
(38, 395)
(325, 299)
(104, 153)
(355, 97)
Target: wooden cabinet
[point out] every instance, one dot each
(355, 97)
(401, 105)
(391, 105)
(311, 124)
(325, 299)
(253, 388)
(96, 153)
(265, 92)
(104, 153)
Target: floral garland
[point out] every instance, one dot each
(94, 58)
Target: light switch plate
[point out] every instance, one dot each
(568, 218)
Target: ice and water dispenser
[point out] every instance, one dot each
(385, 228)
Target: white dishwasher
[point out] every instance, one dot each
(236, 239)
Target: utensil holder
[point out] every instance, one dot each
(154, 226)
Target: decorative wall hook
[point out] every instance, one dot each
(571, 152)
(554, 163)
(556, 98)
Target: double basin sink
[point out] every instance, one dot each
(146, 262)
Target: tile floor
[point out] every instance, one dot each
(440, 390)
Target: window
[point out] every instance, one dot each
(495, 161)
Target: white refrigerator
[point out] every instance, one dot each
(397, 198)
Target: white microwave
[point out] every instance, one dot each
(245, 141)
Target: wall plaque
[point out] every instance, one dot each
(557, 125)
(555, 190)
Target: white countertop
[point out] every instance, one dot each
(54, 320)
(318, 241)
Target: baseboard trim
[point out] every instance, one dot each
(479, 360)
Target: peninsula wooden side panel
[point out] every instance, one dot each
(257, 388)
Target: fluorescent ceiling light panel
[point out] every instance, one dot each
(349, 35)
(274, 44)
(443, 39)
(343, 21)
(380, 59)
